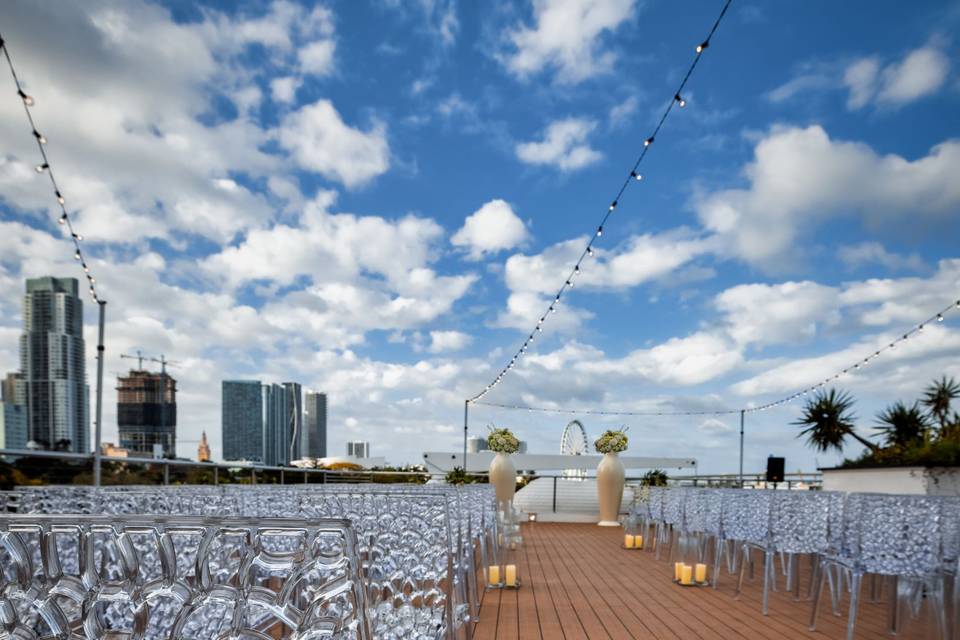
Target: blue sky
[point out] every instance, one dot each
(378, 199)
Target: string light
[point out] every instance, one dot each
(634, 175)
(718, 412)
(44, 167)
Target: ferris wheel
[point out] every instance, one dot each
(573, 442)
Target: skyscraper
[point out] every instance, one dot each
(242, 420)
(13, 426)
(53, 379)
(147, 413)
(203, 450)
(313, 444)
(358, 449)
(262, 422)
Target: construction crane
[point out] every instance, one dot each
(163, 362)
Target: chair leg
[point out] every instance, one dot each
(820, 575)
(744, 551)
(718, 550)
(768, 577)
(855, 580)
(894, 608)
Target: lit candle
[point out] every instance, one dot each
(511, 571)
(628, 541)
(686, 574)
(638, 542)
(701, 573)
(494, 572)
(676, 570)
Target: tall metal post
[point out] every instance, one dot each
(466, 407)
(98, 433)
(741, 448)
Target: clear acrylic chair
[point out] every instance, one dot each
(160, 577)
(890, 535)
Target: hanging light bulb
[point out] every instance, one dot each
(76, 255)
(680, 101)
(920, 328)
(42, 139)
(590, 251)
(27, 100)
(703, 45)
(638, 177)
(599, 231)
(648, 141)
(63, 219)
(613, 205)
(78, 236)
(42, 167)
(576, 269)
(60, 198)
(569, 284)
(86, 269)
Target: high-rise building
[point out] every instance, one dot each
(242, 420)
(8, 388)
(476, 444)
(313, 443)
(53, 379)
(203, 450)
(358, 449)
(262, 422)
(13, 426)
(147, 413)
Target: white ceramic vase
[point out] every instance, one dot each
(503, 476)
(610, 478)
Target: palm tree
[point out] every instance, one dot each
(938, 396)
(902, 426)
(828, 421)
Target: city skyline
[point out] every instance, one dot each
(386, 221)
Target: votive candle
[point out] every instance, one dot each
(628, 541)
(638, 542)
(701, 572)
(511, 577)
(686, 574)
(493, 571)
(676, 570)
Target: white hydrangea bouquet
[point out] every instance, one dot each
(612, 441)
(502, 441)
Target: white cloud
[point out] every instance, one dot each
(761, 314)
(564, 146)
(284, 90)
(639, 259)
(441, 341)
(800, 176)
(567, 37)
(860, 78)
(439, 17)
(316, 58)
(867, 253)
(620, 112)
(490, 229)
(322, 142)
(921, 72)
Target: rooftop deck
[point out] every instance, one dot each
(577, 582)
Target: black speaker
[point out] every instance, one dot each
(775, 469)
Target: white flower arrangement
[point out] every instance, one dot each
(611, 441)
(502, 441)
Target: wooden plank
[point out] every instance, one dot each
(578, 583)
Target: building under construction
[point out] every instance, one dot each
(145, 415)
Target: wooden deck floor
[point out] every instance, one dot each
(578, 583)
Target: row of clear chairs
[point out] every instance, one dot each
(180, 576)
(912, 541)
(418, 545)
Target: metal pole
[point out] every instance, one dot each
(98, 433)
(466, 407)
(741, 448)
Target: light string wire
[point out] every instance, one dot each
(916, 329)
(634, 176)
(47, 168)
